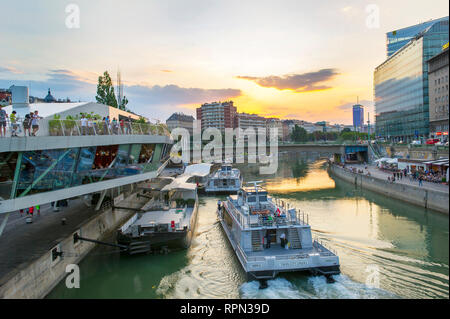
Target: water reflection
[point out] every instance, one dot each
(407, 244)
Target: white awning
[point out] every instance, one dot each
(201, 170)
(180, 184)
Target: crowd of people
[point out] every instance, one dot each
(419, 176)
(30, 123)
(106, 126)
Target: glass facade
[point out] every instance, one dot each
(358, 116)
(401, 87)
(395, 40)
(48, 170)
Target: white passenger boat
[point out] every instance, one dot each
(268, 237)
(225, 180)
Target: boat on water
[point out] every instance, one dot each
(225, 180)
(269, 237)
(167, 220)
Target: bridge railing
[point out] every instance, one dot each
(60, 127)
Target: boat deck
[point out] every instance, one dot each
(178, 215)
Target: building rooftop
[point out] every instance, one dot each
(180, 117)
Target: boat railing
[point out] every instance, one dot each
(322, 248)
(88, 127)
(287, 217)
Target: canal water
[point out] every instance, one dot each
(387, 249)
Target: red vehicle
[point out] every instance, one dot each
(432, 141)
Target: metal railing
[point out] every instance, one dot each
(286, 218)
(59, 127)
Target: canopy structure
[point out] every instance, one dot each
(387, 160)
(180, 183)
(439, 162)
(201, 170)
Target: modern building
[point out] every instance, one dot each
(274, 123)
(438, 90)
(245, 121)
(401, 86)
(358, 116)
(181, 120)
(395, 40)
(64, 160)
(219, 115)
(5, 97)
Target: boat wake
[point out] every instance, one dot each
(312, 288)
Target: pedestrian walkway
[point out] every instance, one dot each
(21, 243)
(376, 172)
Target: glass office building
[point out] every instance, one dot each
(401, 86)
(358, 116)
(395, 40)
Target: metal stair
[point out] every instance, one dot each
(257, 240)
(294, 238)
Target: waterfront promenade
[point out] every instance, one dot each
(430, 195)
(31, 241)
(376, 172)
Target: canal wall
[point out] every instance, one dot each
(41, 275)
(434, 200)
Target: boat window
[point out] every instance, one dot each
(263, 198)
(251, 199)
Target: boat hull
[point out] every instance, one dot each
(155, 241)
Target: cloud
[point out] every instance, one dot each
(306, 82)
(151, 101)
(349, 105)
(8, 69)
(173, 94)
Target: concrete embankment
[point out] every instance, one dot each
(40, 275)
(430, 199)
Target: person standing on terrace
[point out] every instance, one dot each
(3, 117)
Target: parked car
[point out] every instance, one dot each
(432, 141)
(416, 143)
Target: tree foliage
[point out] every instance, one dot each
(105, 91)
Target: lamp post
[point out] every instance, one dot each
(368, 127)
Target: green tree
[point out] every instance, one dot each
(299, 134)
(105, 91)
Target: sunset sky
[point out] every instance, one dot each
(307, 60)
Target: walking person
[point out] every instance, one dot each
(35, 123)
(122, 124)
(128, 125)
(83, 122)
(420, 180)
(3, 118)
(27, 125)
(38, 210)
(14, 126)
(267, 239)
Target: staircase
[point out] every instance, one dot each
(139, 247)
(294, 238)
(257, 240)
